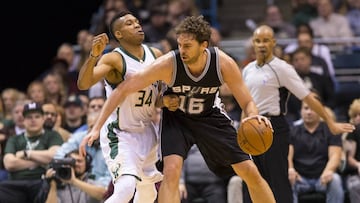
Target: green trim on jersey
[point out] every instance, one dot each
(152, 51)
(132, 56)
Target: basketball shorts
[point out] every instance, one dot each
(129, 153)
(213, 133)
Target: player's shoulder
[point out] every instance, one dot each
(156, 51)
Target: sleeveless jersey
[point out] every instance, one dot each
(137, 109)
(198, 95)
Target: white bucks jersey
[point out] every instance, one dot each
(137, 109)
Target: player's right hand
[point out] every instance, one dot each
(88, 140)
(99, 44)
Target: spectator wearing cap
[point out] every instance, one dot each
(74, 112)
(26, 155)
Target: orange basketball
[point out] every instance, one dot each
(253, 137)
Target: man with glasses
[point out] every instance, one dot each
(96, 103)
(51, 117)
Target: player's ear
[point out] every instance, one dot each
(118, 34)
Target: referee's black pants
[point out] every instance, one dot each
(273, 164)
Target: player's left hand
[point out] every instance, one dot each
(339, 128)
(260, 118)
(171, 101)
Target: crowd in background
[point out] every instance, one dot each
(66, 108)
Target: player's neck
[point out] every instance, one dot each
(136, 51)
(197, 67)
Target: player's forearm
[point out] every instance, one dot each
(109, 106)
(86, 72)
(251, 109)
(317, 106)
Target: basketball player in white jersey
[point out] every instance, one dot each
(128, 138)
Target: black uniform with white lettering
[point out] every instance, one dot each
(200, 118)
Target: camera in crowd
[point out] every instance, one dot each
(63, 167)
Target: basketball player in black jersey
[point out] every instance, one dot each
(194, 73)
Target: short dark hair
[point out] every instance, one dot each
(113, 20)
(307, 26)
(197, 26)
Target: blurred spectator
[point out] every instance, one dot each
(305, 38)
(74, 112)
(98, 19)
(85, 104)
(56, 91)
(84, 50)
(60, 67)
(16, 127)
(9, 96)
(249, 54)
(353, 16)
(80, 186)
(66, 51)
(96, 104)
(25, 157)
(197, 181)
(314, 157)
(354, 111)
(323, 85)
(99, 169)
(352, 143)
(81, 38)
(158, 27)
(179, 9)
(140, 9)
(50, 114)
(36, 91)
(274, 19)
(314, 76)
(353, 174)
(330, 24)
(303, 11)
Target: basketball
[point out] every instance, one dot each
(253, 137)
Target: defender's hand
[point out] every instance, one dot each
(171, 101)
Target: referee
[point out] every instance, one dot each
(270, 81)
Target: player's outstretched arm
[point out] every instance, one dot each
(335, 127)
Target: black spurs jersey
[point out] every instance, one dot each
(198, 95)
